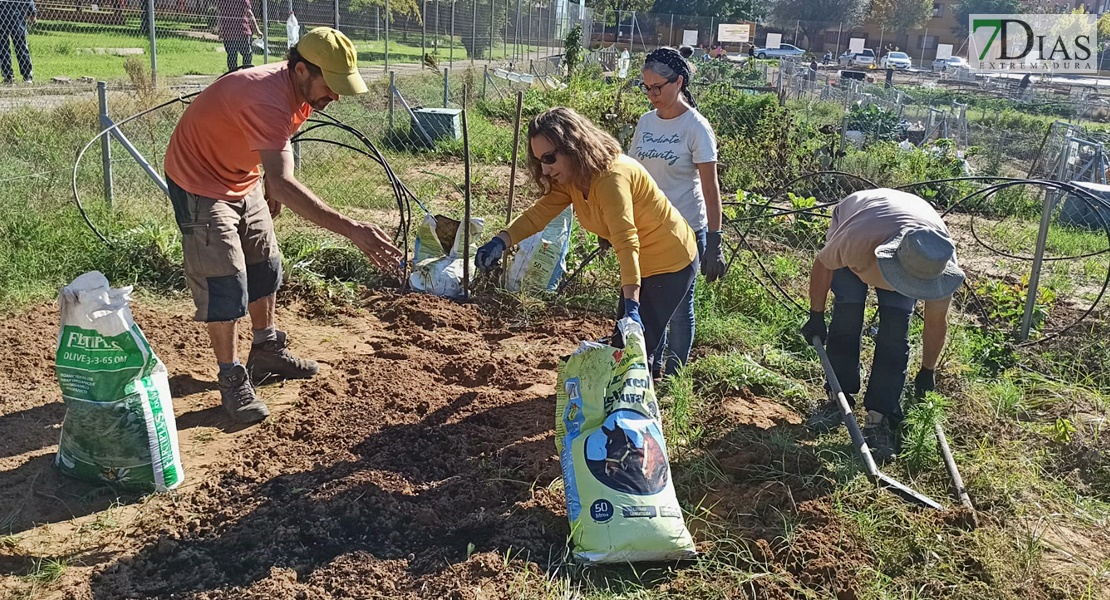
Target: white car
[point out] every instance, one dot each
(783, 51)
(952, 62)
(895, 60)
(864, 58)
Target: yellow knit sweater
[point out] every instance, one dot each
(625, 207)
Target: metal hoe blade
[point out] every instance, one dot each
(876, 476)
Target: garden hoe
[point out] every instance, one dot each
(876, 476)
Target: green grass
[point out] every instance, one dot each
(62, 49)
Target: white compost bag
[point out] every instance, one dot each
(541, 259)
(436, 272)
(620, 498)
(119, 426)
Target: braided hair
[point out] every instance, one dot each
(664, 60)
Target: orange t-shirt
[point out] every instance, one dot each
(214, 149)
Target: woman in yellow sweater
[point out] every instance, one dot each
(575, 163)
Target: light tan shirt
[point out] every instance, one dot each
(866, 220)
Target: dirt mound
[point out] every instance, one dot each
(415, 465)
(433, 444)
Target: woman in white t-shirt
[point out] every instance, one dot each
(676, 145)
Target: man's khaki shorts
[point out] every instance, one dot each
(231, 252)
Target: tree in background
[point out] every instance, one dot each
(400, 9)
(901, 16)
(572, 50)
(812, 17)
(477, 37)
(722, 10)
(976, 7)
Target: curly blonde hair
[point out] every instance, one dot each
(590, 149)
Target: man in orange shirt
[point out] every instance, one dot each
(232, 262)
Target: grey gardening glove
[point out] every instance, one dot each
(815, 326)
(713, 262)
(489, 255)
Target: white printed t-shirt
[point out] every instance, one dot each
(670, 150)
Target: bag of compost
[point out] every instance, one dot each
(437, 270)
(620, 498)
(541, 259)
(119, 426)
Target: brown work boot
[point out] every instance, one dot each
(238, 399)
(270, 361)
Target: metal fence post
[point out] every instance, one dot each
(335, 7)
(489, 57)
(1050, 197)
(670, 34)
(451, 52)
(516, 34)
(105, 141)
(153, 44)
(446, 86)
(424, 29)
(392, 97)
(387, 35)
(485, 78)
(473, 31)
(265, 32)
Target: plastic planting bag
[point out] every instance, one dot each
(435, 270)
(119, 426)
(620, 498)
(542, 258)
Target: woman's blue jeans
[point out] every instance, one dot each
(679, 337)
(892, 345)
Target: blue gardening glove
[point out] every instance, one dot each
(815, 326)
(632, 311)
(489, 255)
(713, 262)
(926, 381)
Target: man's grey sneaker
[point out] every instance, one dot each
(271, 361)
(879, 435)
(825, 417)
(238, 399)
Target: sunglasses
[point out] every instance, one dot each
(655, 90)
(548, 158)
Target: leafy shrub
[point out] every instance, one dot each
(876, 123)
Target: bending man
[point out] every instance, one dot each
(896, 243)
(232, 262)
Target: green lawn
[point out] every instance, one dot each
(61, 49)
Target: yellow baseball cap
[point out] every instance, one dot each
(334, 53)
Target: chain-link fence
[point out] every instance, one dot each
(78, 42)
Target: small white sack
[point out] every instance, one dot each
(443, 275)
(541, 260)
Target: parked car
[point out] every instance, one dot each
(845, 57)
(952, 62)
(783, 51)
(896, 60)
(864, 58)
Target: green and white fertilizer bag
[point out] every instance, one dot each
(437, 272)
(119, 426)
(620, 498)
(541, 259)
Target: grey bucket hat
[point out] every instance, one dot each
(920, 264)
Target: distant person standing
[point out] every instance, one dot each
(15, 17)
(236, 26)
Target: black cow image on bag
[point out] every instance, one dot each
(625, 454)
